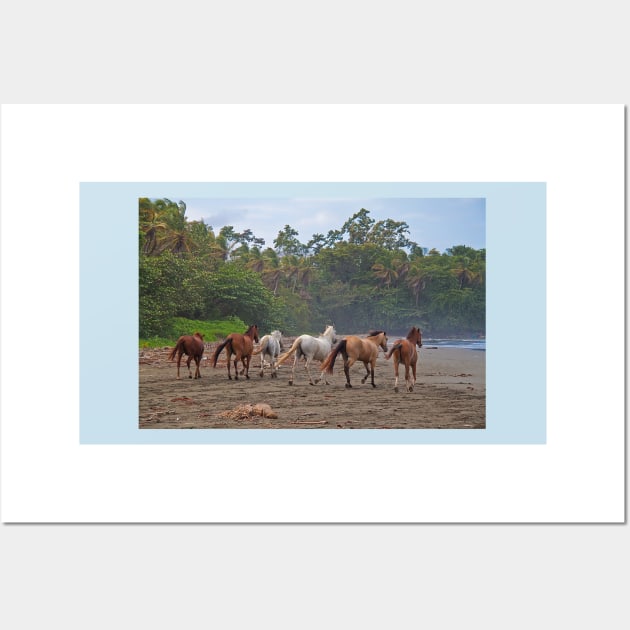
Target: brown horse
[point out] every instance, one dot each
(356, 349)
(191, 345)
(404, 350)
(241, 346)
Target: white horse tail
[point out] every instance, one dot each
(287, 355)
(263, 345)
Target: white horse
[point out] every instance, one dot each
(270, 345)
(312, 348)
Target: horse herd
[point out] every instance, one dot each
(321, 348)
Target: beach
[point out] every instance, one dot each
(450, 393)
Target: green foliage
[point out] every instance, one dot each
(366, 274)
(211, 330)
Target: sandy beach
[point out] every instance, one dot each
(450, 393)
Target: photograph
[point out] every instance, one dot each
(312, 313)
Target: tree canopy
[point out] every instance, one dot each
(364, 274)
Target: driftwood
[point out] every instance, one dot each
(243, 412)
(320, 422)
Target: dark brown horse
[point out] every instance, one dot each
(356, 349)
(191, 345)
(404, 350)
(241, 346)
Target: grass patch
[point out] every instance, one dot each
(211, 330)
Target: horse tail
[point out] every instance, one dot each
(217, 352)
(175, 349)
(396, 346)
(263, 347)
(287, 355)
(329, 361)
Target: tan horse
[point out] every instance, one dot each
(241, 346)
(191, 345)
(404, 350)
(356, 349)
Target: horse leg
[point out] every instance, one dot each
(396, 373)
(372, 372)
(346, 370)
(188, 365)
(310, 378)
(324, 376)
(245, 362)
(413, 370)
(236, 368)
(229, 358)
(262, 365)
(367, 373)
(347, 364)
(295, 360)
(408, 382)
(197, 371)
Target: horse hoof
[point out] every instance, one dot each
(348, 386)
(396, 389)
(290, 382)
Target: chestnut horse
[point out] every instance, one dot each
(404, 350)
(241, 346)
(356, 349)
(191, 345)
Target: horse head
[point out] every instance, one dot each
(380, 338)
(415, 337)
(252, 332)
(383, 343)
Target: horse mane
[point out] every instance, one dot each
(413, 333)
(198, 334)
(373, 333)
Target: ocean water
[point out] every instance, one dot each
(469, 344)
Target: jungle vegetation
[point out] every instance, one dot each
(364, 274)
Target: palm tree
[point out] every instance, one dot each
(464, 274)
(386, 275)
(255, 262)
(152, 226)
(177, 242)
(417, 279)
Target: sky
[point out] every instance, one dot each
(437, 223)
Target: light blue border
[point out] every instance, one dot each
(516, 306)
